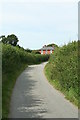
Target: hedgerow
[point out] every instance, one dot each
(62, 69)
(13, 57)
(14, 61)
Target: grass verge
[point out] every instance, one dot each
(7, 88)
(55, 83)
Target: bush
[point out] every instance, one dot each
(14, 57)
(63, 67)
(14, 61)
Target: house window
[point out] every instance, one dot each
(50, 51)
(46, 51)
(41, 51)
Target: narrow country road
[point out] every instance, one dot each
(34, 97)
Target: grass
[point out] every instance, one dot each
(55, 83)
(62, 71)
(7, 89)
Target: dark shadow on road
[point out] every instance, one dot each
(28, 104)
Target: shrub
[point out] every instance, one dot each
(63, 67)
(14, 57)
(14, 61)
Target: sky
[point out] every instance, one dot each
(40, 22)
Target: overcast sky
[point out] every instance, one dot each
(39, 23)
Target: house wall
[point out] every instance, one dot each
(40, 51)
(44, 52)
(48, 51)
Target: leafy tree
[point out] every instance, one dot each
(10, 39)
(3, 39)
(18, 46)
(37, 52)
(52, 45)
(28, 50)
(3, 36)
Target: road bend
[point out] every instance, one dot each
(34, 97)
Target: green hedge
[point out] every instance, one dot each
(63, 70)
(13, 57)
(14, 61)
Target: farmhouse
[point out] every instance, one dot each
(46, 50)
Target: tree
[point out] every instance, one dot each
(28, 50)
(10, 39)
(52, 45)
(3, 36)
(3, 39)
(37, 52)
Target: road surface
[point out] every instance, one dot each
(34, 97)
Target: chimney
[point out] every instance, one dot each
(44, 46)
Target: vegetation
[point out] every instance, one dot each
(62, 71)
(52, 45)
(10, 39)
(35, 52)
(15, 60)
(28, 50)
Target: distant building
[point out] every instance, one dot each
(46, 50)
